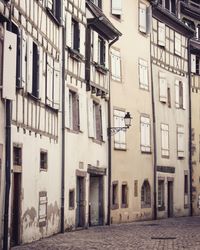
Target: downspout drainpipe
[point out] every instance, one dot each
(8, 104)
(109, 141)
(154, 142)
(63, 135)
(190, 126)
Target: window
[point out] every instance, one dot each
(75, 36)
(42, 214)
(124, 196)
(73, 111)
(17, 155)
(145, 194)
(97, 121)
(116, 8)
(168, 97)
(198, 32)
(186, 189)
(71, 199)
(119, 137)
(161, 34)
(115, 195)
(161, 197)
(97, 3)
(35, 74)
(54, 7)
(180, 141)
(116, 65)
(163, 87)
(1, 54)
(101, 51)
(177, 44)
(145, 137)
(180, 92)
(165, 140)
(43, 160)
(136, 188)
(143, 74)
(143, 17)
(171, 5)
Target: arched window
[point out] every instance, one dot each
(146, 194)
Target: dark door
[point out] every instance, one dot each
(170, 198)
(16, 206)
(80, 202)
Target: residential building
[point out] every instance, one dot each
(130, 79)
(86, 110)
(31, 95)
(169, 55)
(190, 15)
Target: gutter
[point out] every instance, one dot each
(109, 140)
(190, 126)
(154, 142)
(8, 108)
(63, 136)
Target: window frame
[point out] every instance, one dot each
(161, 195)
(43, 161)
(124, 195)
(146, 194)
(164, 129)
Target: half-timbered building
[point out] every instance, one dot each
(169, 56)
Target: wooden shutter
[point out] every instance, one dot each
(148, 135)
(9, 65)
(29, 64)
(161, 34)
(75, 111)
(145, 134)
(104, 124)
(95, 46)
(50, 4)
(142, 134)
(67, 107)
(177, 94)
(122, 133)
(149, 19)
(163, 87)
(23, 58)
(56, 85)
(177, 44)
(90, 118)
(143, 18)
(82, 37)
(193, 63)
(81, 112)
(68, 29)
(185, 95)
(180, 141)
(117, 124)
(49, 85)
(106, 55)
(116, 7)
(165, 139)
(143, 73)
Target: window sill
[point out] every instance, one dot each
(97, 141)
(53, 18)
(43, 170)
(71, 208)
(120, 149)
(115, 206)
(145, 206)
(52, 108)
(124, 205)
(73, 131)
(34, 98)
(100, 68)
(146, 152)
(75, 54)
(165, 156)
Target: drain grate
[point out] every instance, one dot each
(163, 238)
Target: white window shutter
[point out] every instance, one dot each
(82, 37)
(163, 87)
(180, 141)
(23, 58)
(142, 135)
(143, 73)
(41, 82)
(90, 119)
(177, 44)
(68, 29)
(177, 93)
(143, 18)
(67, 107)
(56, 85)
(49, 91)
(122, 132)
(185, 95)
(81, 112)
(193, 63)
(29, 64)
(165, 139)
(148, 136)
(104, 124)
(161, 34)
(149, 20)
(9, 65)
(117, 124)
(116, 7)
(50, 4)
(113, 65)
(95, 46)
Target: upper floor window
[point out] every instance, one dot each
(145, 18)
(116, 65)
(180, 94)
(198, 32)
(73, 111)
(101, 51)
(75, 35)
(119, 137)
(164, 140)
(43, 160)
(180, 141)
(177, 47)
(162, 87)
(143, 74)
(161, 34)
(145, 138)
(54, 6)
(116, 8)
(17, 155)
(170, 5)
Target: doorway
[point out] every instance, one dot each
(96, 215)
(170, 198)
(16, 207)
(80, 221)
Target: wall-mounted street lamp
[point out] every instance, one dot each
(127, 122)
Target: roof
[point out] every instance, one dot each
(101, 23)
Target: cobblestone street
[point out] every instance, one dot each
(179, 233)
